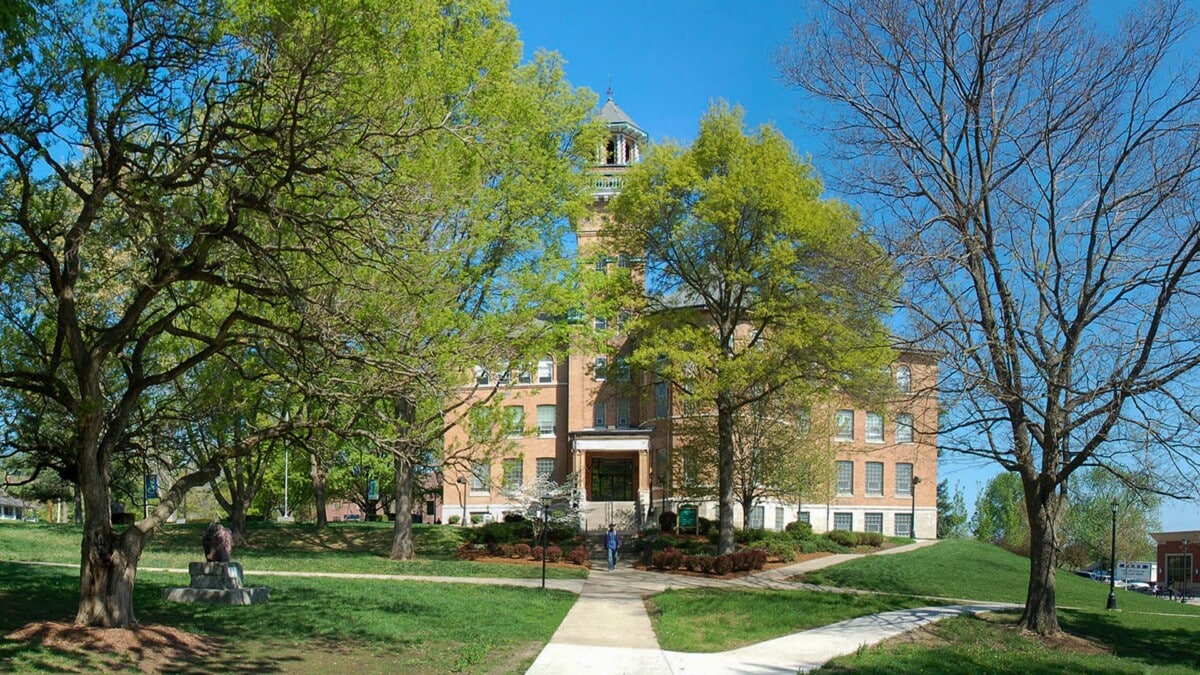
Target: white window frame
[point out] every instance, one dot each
(756, 520)
(514, 416)
(873, 430)
(899, 518)
(849, 466)
(547, 430)
(481, 476)
(623, 408)
(844, 425)
(514, 472)
(874, 484)
(482, 377)
(600, 323)
(600, 414)
(838, 515)
(904, 486)
(904, 379)
(867, 522)
(904, 428)
(540, 468)
(545, 370)
(600, 368)
(778, 518)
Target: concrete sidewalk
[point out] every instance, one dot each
(608, 630)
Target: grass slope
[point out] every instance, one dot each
(341, 547)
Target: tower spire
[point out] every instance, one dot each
(609, 93)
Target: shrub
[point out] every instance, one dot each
(706, 563)
(722, 565)
(692, 563)
(758, 558)
(476, 519)
(560, 532)
(873, 539)
(706, 526)
(799, 530)
(843, 537)
(821, 545)
(536, 552)
(506, 550)
(659, 560)
(500, 533)
(667, 520)
(745, 537)
(454, 520)
(553, 553)
(521, 550)
(513, 517)
(578, 555)
(470, 551)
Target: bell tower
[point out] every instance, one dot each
(623, 147)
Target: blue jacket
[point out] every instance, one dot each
(612, 540)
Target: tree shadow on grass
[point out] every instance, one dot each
(1164, 639)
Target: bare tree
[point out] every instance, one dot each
(1039, 179)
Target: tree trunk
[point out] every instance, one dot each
(725, 473)
(402, 539)
(237, 521)
(318, 472)
(108, 563)
(1040, 615)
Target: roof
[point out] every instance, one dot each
(612, 115)
(1164, 537)
(5, 500)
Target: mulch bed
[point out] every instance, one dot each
(151, 646)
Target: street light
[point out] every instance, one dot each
(462, 493)
(1188, 577)
(1112, 571)
(912, 523)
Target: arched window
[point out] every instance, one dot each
(904, 379)
(545, 370)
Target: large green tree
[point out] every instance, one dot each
(1039, 178)
(181, 179)
(751, 281)
(1087, 524)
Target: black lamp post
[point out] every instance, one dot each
(545, 536)
(1188, 577)
(462, 492)
(1112, 576)
(912, 523)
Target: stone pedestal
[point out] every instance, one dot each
(217, 583)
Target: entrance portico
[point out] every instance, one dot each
(614, 470)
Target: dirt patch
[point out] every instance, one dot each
(152, 647)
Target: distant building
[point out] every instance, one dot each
(616, 439)
(1177, 562)
(12, 508)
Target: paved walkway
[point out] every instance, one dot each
(608, 630)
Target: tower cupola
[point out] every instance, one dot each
(623, 147)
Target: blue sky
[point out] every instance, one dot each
(667, 60)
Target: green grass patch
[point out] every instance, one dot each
(972, 570)
(1098, 642)
(341, 547)
(311, 623)
(715, 620)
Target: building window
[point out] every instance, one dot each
(874, 428)
(545, 468)
(875, 480)
(845, 478)
(803, 423)
(904, 428)
(623, 371)
(524, 377)
(778, 518)
(904, 474)
(481, 376)
(600, 368)
(845, 425)
(903, 524)
(600, 413)
(805, 517)
(622, 319)
(515, 420)
(430, 507)
(480, 474)
(547, 418)
(904, 379)
(756, 518)
(600, 323)
(514, 473)
(622, 413)
(660, 399)
(545, 371)
(843, 521)
(505, 376)
(873, 522)
(602, 263)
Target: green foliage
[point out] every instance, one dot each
(1000, 515)
(753, 283)
(1087, 525)
(799, 530)
(952, 512)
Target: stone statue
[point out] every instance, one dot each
(218, 542)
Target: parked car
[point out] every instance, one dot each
(1139, 586)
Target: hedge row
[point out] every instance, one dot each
(522, 551)
(744, 560)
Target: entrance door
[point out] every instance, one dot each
(612, 479)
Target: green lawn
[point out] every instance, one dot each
(972, 570)
(716, 620)
(310, 625)
(342, 547)
(1099, 642)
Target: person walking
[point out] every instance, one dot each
(612, 541)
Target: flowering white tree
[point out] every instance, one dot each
(529, 499)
